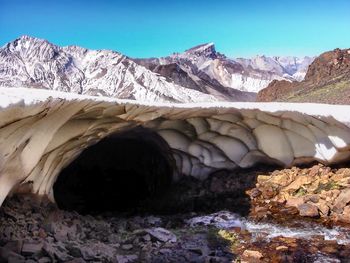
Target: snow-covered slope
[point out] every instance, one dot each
(36, 63)
(205, 65)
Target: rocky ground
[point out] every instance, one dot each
(33, 230)
(317, 192)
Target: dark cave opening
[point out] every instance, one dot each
(118, 174)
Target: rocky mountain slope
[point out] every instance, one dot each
(327, 81)
(203, 68)
(36, 63)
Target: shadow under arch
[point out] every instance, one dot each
(116, 174)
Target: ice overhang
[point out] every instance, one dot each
(41, 132)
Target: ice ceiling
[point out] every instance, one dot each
(43, 132)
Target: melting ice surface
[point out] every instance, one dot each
(226, 220)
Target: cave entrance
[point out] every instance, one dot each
(117, 174)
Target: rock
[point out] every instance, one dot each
(57, 251)
(267, 192)
(308, 210)
(313, 198)
(323, 208)
(97, 250)
(14, 246)
(282, 248)
(153, 221)
(15, 258)
(345, 216)
(263, 178)
(11, 250)
(254, 193)
(76, 260)
(44, 260)
(127, 246)
(252, 255)
(30, 248)
(126, 258)
(297, 183)
(10, 256)
(281, 179)
(314, 171)
(162, 234)
(147, 237)
(295, 201)
(342, 200)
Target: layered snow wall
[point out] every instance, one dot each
(41, 132)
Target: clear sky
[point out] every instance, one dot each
(239, 28)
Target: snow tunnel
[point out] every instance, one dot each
(117, 174)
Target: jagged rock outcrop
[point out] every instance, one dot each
(44, 131)
(327, 81)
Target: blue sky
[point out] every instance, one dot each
(158, 28)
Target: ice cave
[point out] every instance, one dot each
(124, 150)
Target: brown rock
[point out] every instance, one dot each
(345, 216)
(282, 248)
(260, 209)
(295, 201)
(263, 178)
(267, 192)
(252, 255)
(342, 200)
(309, 210)
(298, 182)
(281, 179)
(255, 193)
(312, 198)
(314, 170)
(323, 208)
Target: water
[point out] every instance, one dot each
(301, 229)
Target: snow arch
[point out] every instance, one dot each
(42, 132)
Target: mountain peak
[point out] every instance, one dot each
(26, 41)
(26, 38)
(207, 50)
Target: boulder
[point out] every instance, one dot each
(342, 200)
(308, 210)
(161, 234)
(30, 248)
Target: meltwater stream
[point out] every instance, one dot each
(302, 230)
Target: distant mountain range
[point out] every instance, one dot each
(199, 74)
(206, 67)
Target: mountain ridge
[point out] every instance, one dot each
(196, 75)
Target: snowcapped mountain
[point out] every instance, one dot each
(204, 65)
(196, 75)
(36, 63)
